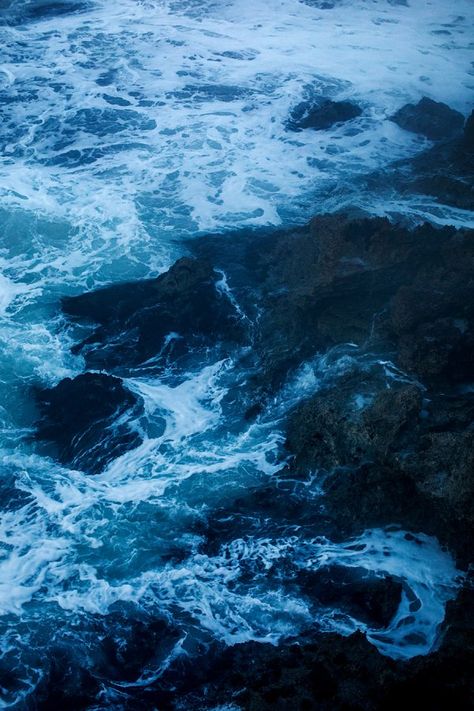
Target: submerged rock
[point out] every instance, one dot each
(159, 319)
(133, 644)
(322, 115)
(86, 419)
(432, 119)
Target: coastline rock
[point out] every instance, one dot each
(84, 419)
(433, 316)
(432, 119)
(445, 171)
(327, 284)
(443, 470)
(160, 319)
(329, 430)
(391, 459)
(439, 350)
(391, 450)
(328, 672)
(323, 671)
(347, 279)
(323, 115)
(366, 597)
(468, 138)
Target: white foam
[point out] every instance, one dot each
(9, 291)
(212, 163)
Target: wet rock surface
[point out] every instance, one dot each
(316, 671)
(387, 449)
(388, 439)
(322, 115)
(332, 672)
(353, 423)
(433, 119)
(370, 599)
(445, 171)
(334, 281)
(160, 319)
(84, 419)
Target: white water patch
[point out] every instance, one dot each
(9, 292)
(136, 118)
(85, 543)
(210, 590)
(104, 513)
(183, 403)
(428, 574)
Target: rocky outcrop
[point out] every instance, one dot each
(333, 673)
(323, 671)
(331, 429)
(468, 137)
(326, 284)
(445, 171)
(432, 119)
(86, 420)
(393, 458)
(161, 319)
(388, 440)
(370, 599)
(407, 295)
(322, 115)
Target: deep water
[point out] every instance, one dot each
(127, 128)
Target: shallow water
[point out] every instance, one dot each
(127, 127)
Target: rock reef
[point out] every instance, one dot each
(322, 115)
(433, 119)
(388, 312)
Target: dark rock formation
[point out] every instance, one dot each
(445, 171)
(442, 468)
(157, 319)
(391, 437)
(344, 279)
(388, 462)
(391, 460)
(322, 115)
(117, 648)
(330, 429)
(370, 599)
(433, 317)
(468, 138)
(84, 419)
(388, 447)
(433, 119)
(132, 643)
(321, 671)
(326, 285)
(332, 673)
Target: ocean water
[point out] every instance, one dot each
(126, 128)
